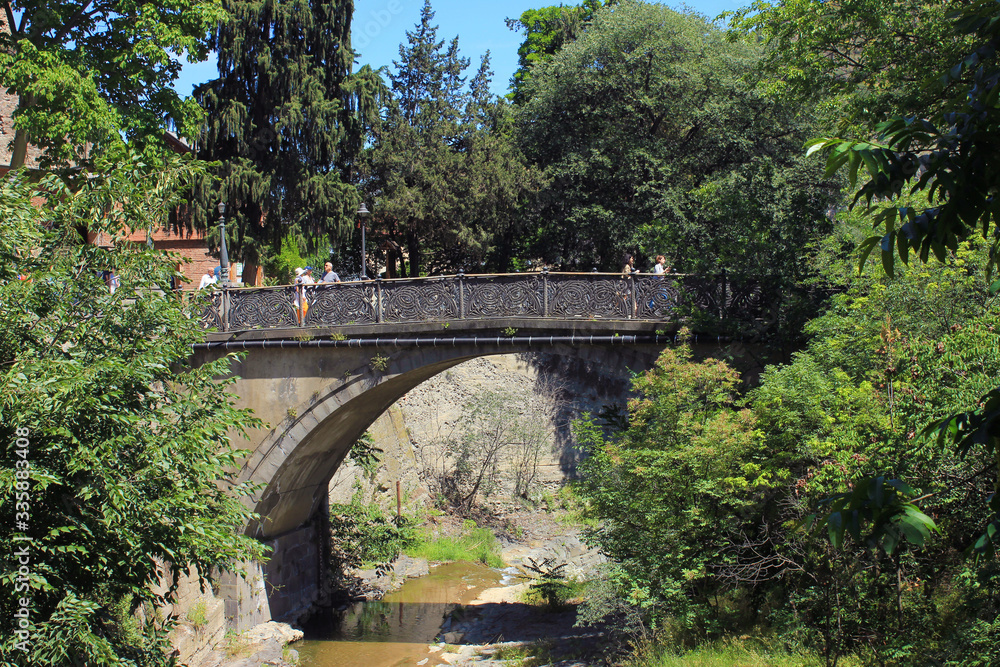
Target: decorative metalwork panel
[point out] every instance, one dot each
(705, 294)
(747, 299)
(420, 300)
(503, 296)
(341, 303)
(211, 317)
(585, 296)
(262, 308)
(657, 298)
(554, 295)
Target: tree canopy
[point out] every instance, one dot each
(286, 119)
(854, 63)
(90, 72)
(655, 140)
(546, 31)
(445, 177)
(947, 161)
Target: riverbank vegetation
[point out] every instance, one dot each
(735, 652)
(705, 496)
(473, 544)
(363, 534)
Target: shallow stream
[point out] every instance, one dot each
(398, 629)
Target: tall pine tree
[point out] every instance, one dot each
(447, 181)
(286, 120)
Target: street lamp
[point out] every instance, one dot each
(362, 212)
(223, 253)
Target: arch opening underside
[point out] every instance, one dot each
(295, 461)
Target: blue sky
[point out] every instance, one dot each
(380, 26)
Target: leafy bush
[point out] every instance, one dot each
(702, 503)
(672, 487)
(363, 534)
(551, 587)
(197, 615)
(130, 474)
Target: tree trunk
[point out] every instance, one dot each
(413, 243)
(19, 153)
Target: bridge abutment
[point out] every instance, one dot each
(282, 588)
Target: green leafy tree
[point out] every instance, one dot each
(890, 355)
(857, 62)
(546, 30)
(286, 121)
(88, 72)
(125, 477)
(654, 138)
(949, 157)
(446, 180)
(675, 485)
(704, 506)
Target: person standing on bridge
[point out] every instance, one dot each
(660, 269)
(329, 275)
(303, 277)
(629, 267)
(208, 279)
(627, 271)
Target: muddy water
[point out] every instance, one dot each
(398, 629)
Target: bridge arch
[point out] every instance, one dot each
(319, 388)
(319, 396)
(296, 458)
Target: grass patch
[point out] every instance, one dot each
(728, 653)
(524, 655)
(474, 545)
(569, 508)
(235, 645)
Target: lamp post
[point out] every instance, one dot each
(223, 253)
(362, 212)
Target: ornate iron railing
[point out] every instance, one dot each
(478, 297)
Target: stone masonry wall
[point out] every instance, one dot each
(398, 463)
(292, 575)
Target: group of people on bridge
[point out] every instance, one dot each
(305, 282)
(303, 278)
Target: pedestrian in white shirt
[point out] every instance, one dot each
(208, 279)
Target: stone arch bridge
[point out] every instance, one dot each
(319, 376)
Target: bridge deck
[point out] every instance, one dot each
(562, 297)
